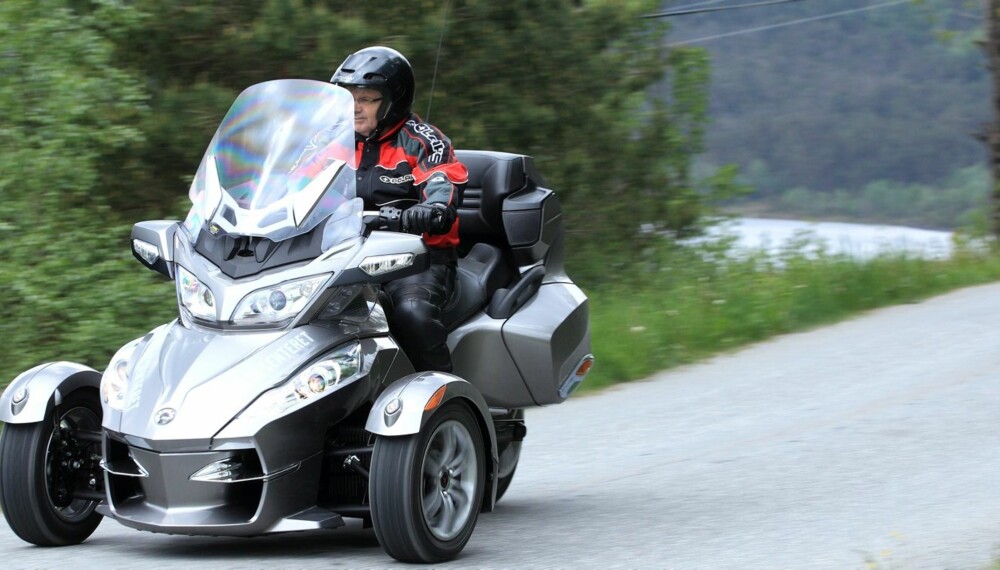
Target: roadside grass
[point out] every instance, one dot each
(884, 562)
(687, 303)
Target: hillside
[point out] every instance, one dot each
(837, 94)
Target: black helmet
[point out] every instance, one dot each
(385, 70)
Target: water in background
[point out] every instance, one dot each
(862, 241)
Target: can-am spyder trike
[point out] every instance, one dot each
(278, 400)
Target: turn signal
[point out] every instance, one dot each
(577, 376)
(435, 400)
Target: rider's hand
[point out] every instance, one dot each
(435, 218)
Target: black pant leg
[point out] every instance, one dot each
(415, 319)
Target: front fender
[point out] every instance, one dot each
(42, 387)
(412, 394)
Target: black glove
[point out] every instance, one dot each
(435, 218)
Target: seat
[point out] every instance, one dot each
(478, 274)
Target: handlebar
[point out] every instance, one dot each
(387, 218)
(391, 218)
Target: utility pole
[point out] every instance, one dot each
(992, 134)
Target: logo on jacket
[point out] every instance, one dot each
(437, 145)
(401, 180)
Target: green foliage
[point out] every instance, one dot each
(70, 291)
(958, 202)
(689, 303)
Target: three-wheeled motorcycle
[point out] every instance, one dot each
(278, 399)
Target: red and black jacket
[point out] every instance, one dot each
(411, 162)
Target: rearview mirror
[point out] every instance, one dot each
(153, 245)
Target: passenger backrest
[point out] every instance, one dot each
(492, 177)
(508, 222)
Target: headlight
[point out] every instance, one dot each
(196, 297)
(114, 382)
(333, 371)
(274, 305)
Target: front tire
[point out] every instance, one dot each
(426, 489)
(41, 464)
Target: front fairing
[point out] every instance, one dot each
(262, 365)
(186, 412)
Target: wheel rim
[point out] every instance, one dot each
(66, 458)
(450, 474)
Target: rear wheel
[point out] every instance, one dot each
(426, 489)
(44, 470)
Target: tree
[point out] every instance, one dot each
(71, 290)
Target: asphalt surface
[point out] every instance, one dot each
(871, 443)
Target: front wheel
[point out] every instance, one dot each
(44, 470)
(426, 489)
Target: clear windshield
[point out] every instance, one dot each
(280, 164)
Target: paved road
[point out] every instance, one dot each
(874, 440)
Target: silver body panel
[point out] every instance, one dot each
(412, 393)
(478, 352)
(209, 389)
(209, 376)
(547, 338)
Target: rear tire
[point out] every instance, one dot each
(37, 476)
(426, 489)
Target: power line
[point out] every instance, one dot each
(790, 23)
(685, 10)
(696, 4)
(437, 60)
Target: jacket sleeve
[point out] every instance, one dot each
(437, 174)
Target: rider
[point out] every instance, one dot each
(407, 163)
